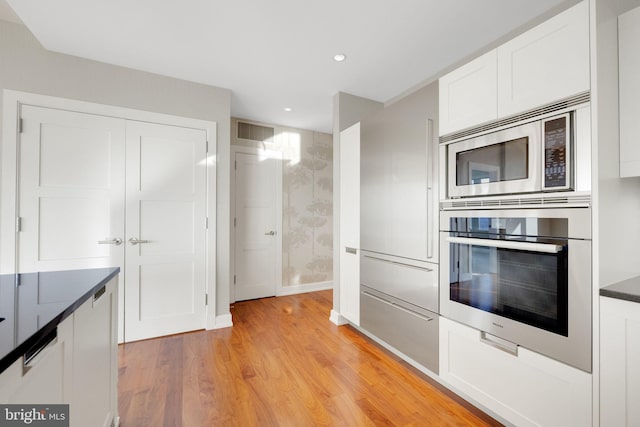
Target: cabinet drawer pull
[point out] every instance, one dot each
(402, 264)
(499, 343)
(413, 313)
(99, 293)
(398, 306)
(36, 353)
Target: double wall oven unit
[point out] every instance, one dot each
(515, 240)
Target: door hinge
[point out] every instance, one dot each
(20, 125)
(207, 147)
(206, 299)
(234, 279)
(235, 221)
(18, 224)
(206, 223)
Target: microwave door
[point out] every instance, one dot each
(503, 162)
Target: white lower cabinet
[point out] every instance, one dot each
(527, 390)
(619, 362)
(45, 378)
(94, 401)
(78, 367)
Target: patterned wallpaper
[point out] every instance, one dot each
(307, 197)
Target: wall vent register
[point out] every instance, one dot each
(253, 132)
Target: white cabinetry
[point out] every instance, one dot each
(527, 389)
(619, 362)
(468, 95)
(78, 367)
(350, 223)
(543, 65)
(629, 92)
(95, 360)
(45, 378)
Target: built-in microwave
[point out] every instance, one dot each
(536, 154)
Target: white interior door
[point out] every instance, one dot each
(257, 225)
(165, 230)
(71, 190)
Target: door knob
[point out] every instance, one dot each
(117, 241)
(271, 233)
(135, 241)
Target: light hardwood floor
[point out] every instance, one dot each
(282, 364)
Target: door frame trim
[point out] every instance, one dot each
(278, 155)
(12, 102)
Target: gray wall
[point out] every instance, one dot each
(26, 66)
(347, 111)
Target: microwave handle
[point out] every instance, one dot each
(507, 244)
(430, 219)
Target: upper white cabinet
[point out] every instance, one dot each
(628, 72)
(468, 95)
(350, 223)
(545, 64)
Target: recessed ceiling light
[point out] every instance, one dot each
(339, 57)
(287, 109)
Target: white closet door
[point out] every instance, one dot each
(165, 230)
(71, 190)
(257, 230)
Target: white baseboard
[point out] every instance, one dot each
(222, 321)
(337, 318)
(300, 289)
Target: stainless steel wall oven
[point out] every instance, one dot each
(521, 275)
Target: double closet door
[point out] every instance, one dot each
(97, 191)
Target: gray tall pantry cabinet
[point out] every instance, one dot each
(399, 225)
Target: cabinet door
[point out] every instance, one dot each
(619, 356)
(629, 70)
(410, 141)
(545, 64)
(350, 223)
(468, 95)
(46, 378)
(526, 389)
(398, 172)
(375, 185)
(94, 359)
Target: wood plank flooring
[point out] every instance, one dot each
(282, 364)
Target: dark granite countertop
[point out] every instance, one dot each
(628, 290)
(33, 304)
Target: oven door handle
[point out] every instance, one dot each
(507, 244)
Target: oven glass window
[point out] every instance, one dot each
(526, 286)
(506, 161)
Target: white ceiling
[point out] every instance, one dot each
(278, 53)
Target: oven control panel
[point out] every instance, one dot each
(556, 152)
